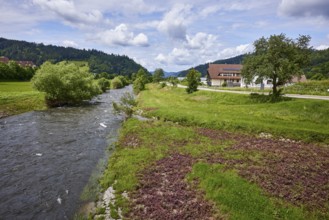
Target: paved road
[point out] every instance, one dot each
(245, 92)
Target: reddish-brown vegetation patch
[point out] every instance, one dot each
(149, 109)
(164, 194)
(131, 140)
(295, 171)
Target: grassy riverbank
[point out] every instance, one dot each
(297, 119)
(207, 156)
(184, 171)
(19, 97)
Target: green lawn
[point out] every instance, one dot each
(306, 120)
(19, 97)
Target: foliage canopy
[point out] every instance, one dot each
(65, 83)
(158, 75)
(278, 58)
(193, 80)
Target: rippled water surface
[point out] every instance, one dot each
(46, 157)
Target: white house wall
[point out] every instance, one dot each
(216, 82)
(254, 85)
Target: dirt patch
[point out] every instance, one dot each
(149, 109)
(164, 194)
(294, 171)
(131, 141)
(3, 114)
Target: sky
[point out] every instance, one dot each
(172, 34)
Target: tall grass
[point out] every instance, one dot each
(19, 97)
(309, 88)
(306, 120)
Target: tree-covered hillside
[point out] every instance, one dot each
(38, 53)
(318, 69)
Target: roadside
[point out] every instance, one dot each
(266, 93)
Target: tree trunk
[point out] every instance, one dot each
(275, 87)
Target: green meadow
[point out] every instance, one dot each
(306, 120)
(19, 97)
(242, 174)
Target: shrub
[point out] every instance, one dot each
(103, 83)
(124, 80)
(116, 83)
(126, 105)
(193, 79)
(65, 84)
(162, 85)
(139, 85)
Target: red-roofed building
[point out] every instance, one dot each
(4, 60)
(219, 74)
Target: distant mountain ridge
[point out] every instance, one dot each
(98, 61)
(203, 67)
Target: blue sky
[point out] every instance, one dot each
(173, 34)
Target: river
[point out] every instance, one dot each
(47, 157)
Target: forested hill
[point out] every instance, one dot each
(203, 67)
(39, 53)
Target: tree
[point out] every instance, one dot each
(193, 80)
(158, 75)
(103, 84)
(116, 83)
(140, 81)
(277, 58)
(65, 83)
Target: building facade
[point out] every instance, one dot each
(224, 75)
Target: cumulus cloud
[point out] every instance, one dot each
(161, 58)
(67, 10)
(234, 51)
(302, 8)
(120, 35)
(175, 21)
(181, 56)
(322, 47)
(69, 43)
(201, 41)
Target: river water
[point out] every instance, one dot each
(46, 157)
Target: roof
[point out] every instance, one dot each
(215, 69)
(4, 59)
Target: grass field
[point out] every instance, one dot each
(162, 165)
(19, 97)
(306, 120)
(203, 158)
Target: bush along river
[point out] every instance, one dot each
(47, 157)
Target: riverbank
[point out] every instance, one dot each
(221, 156)
(163, 170)
(19, 97)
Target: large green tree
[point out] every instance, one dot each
(65, 83)
(158, 75)
(140, 81)
(278, 58)
(193, 80)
